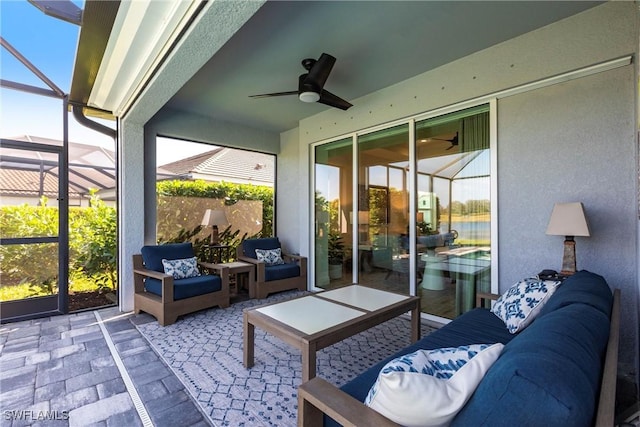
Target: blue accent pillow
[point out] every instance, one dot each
(522, 302)
(270, 256)
(429, 387)
(181, 268)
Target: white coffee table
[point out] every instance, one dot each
(316, 321)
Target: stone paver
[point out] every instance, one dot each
(59, 371)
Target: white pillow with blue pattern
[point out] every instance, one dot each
(522, 302)
(181, 268)
(270, 256)
(429, 387)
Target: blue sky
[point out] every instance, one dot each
(50, 45)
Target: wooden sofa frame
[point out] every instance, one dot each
(165, 308)
(260, 288)
(317, 396)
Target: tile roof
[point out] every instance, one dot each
(228, 164)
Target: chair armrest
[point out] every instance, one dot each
(167, 282)
(151, 273)
(300, 260)
(214, 268)
(250, 260)
(219, 270)
(318, 396)
(481, 297)
(260, 265)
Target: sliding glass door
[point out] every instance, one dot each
(383, 209)
(453, 210)
(333, 213)
(408, 209)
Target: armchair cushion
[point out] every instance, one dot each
(187, 288)
(270, 256)
(153, 255)
(250, 245)
(181, 268)
(281, 271)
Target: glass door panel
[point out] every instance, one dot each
(453, 211)
(383, 209)
(30, 218)
(332, 213)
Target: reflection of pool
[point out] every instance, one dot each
(467, 264)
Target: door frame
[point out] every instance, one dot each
(29, 308)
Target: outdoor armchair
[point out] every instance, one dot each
(273, 274)
(185, 290)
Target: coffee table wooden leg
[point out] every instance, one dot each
(308, 362)
(415, 322)
(249, 340)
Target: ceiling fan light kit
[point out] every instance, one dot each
(309, 96)
(311, 84)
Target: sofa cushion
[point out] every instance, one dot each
(153, 255)
(568, 344)
(428, 387)
(186, 288)
(281, 271)
(249, 246)
(582, 287)
(520, 304)
(181, 268)
(270, 256)
(477, 326)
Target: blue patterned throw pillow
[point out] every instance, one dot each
(429, 387)
(520, 304)
(270, 256)
(181, 268)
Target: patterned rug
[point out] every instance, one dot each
(205, 351)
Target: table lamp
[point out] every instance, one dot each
(214, 218)
(567, 219)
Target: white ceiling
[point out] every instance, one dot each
(376, 45)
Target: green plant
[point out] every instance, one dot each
(97, 248)
(336, 248)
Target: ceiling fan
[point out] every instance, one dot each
(310, 84)
(453, 141)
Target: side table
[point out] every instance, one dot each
(241, 274)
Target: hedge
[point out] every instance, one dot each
(92, 237)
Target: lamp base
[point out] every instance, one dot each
(215, 239)
(569, 257)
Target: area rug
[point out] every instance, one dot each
(205, 352)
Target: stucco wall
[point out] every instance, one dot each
(584, 131)
(564, 143)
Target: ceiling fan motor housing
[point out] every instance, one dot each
(307, 91)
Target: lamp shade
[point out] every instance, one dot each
(214, 217)
(568, 219)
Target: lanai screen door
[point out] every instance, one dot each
(32, 253)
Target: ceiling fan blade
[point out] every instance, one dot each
(319, 72)
(327, 98)
(267, 95)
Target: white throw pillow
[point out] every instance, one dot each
(181, 268)
(429, 387)
(522, 302)
(270, 256)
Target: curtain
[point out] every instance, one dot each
(474, 132)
